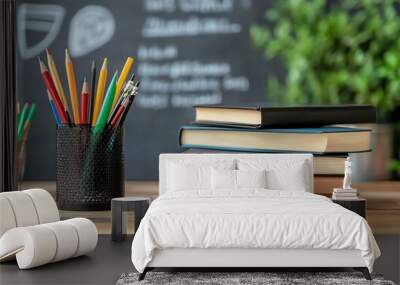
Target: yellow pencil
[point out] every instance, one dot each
(121, 80)
(101, 85)
(56, 78)
(72, 87)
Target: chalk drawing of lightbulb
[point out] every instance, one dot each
(90, 28)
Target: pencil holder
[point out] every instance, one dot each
(90, 168)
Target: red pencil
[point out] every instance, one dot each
(53, 92)
(119, 113)
(84, 102)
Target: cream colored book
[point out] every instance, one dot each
(314, 140)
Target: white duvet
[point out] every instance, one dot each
(250, 219)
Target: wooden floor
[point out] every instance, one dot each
(383, 203)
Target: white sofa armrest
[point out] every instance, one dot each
(40, 244)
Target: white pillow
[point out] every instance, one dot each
(223, 179)
(251, 179)
(281, 174)
(190, 176)
(236, 179)
(294, 180)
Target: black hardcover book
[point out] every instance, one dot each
(296, 116)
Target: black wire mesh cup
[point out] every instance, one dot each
(90, 168)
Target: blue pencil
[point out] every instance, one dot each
(54, 110)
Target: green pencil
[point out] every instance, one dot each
(30, 114)
(107, 103)
(21, 122)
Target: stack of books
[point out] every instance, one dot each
(306, 129)
(344, 194)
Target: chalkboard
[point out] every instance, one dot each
(186, 52)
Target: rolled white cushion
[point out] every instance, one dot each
(66, 238)
(41, 244)
(87, 235)
(45, 205)
(34, 245)
(7, 218)
(23, 208)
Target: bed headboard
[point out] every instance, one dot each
(277, 161)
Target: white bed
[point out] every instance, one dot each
(280, 225)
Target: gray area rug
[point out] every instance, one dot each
(229, 278)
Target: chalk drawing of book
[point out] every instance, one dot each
(39, 23)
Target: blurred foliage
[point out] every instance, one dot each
(394, 165)
(333, 52)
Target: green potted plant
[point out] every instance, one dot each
(334, 52)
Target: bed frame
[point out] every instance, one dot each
(241, 259)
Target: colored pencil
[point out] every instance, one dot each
(69, 120)
(121, 80)
(21, 121)
(101, 85)
(92, 92)
(56, 78)
(69, 67)
(31, 112)
(131, 99)
(22, 143)
(84, 102)
(105, 109)
(116, 108)
(119, 113)
(129, 85)
(53, 109)
(28, 123)
(25, 134)
(53, 92)
(97, 105)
